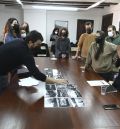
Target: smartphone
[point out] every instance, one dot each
(111, 107)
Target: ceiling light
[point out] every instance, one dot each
(67, 8)
(19, 1)
(56, 8)
(96, 4)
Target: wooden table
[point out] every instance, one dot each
(16, 114)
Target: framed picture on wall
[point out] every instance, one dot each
(60, 24)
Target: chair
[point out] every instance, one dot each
(42, 51)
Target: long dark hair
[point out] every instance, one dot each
(100, 47)
(9, 29)
(66, 32)
(55, 29)
(26, 28)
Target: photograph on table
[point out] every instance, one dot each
(66, 95)
(50, 87)
(51, 93)
(63, 102)
(73, 93)
(50, 102)
(53, 73)
(77, 102)
(62, 93)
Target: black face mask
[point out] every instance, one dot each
(16, 28)
(63, 34)
(88, 30)
(98, 40)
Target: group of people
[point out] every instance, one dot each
(16, 52)
(60, 46)
(13, 30)
(100, 52)
(97, 51)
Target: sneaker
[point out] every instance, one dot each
(111, 89)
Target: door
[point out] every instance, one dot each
(81, 27)
(106, 21)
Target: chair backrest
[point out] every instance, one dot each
(43, 51)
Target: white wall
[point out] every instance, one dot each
(116, 14)
(6, 13)
(36, 20)
(71, 17)
(44, 21)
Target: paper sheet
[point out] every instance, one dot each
(28, 82)
(31, 98)
(97, 83)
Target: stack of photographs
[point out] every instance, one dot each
(58, 96)
(53, 73)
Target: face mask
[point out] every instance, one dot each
(56, 32)
(88, 30)
(110, 34)
(63, 34)
(16, 28)
(23, 35)
(98, 40)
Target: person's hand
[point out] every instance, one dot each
(58, 81)
(82, 67)
(75, 57)
(61, 81)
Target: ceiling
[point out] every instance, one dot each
(70, 3)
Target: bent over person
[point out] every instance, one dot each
(17, 53)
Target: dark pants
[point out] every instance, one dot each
(3, 82)
(109, 76)
(53, 49)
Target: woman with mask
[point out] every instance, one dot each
(84, 42)
(100, 57)
(24, 29)
(62, 46)
(54, 36)
(11, 30)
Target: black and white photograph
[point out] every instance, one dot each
(71, 86)
(66, 95)
(50, 87)
(51, 93)
(50, 102)
(60, 86)
(62, 93)
(48, 72)
(63, 102)
(76, 102)
(73, 93)
(53, 73)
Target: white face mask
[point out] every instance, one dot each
(23, 35)
(56, 32)
(110, 34)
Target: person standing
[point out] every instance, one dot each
(85, 41)
(54, 37)
(62, 46)
(113, 35)
(11, 30)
